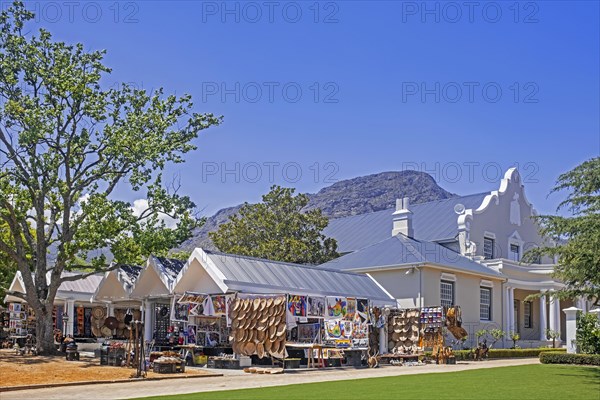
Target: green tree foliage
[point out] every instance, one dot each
(588, 333)
(278, 229)
(66, 145)
(577, 236)
(8, 266)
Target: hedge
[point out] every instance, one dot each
(463, 355)
(564, 358)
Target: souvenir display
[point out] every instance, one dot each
(259, 326)
(433, 339)
(161, 323)
(403, 331)
(454, 322)
(431, 318)
(20, 319)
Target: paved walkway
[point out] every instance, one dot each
(236, 379)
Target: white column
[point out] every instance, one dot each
(383, 341)
(110, 310)
(68, 315)
(555, 315)
(511, 309)
(506, 308)
(571, 327)
(543, 319)
(148, 320)
(72, 316)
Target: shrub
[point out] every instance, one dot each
(588, 333)
(551, 357)
(462, 355)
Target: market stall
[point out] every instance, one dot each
(200, 320)
(152, 289)
(71, 314)
(408, 333)
(277, 311)
(294, 329)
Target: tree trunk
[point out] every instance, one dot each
(45, 331)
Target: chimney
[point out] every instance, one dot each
(402, 218)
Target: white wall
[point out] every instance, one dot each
(496, 219)
(404, 287)
(196, 279)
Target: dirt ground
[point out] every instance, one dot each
(33, 370)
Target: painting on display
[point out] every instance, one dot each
(360, 329)
(201, 338)
(337, 307)
(308, 333)
(179, 312)
(191, 334)
(213, 339)
(219, 304)
(315, 307)
(333, 329)
(362, 309)
(195, 309)
(348, 328)
(350, 309)
(336, 329)
(229, 304)
(297, 305)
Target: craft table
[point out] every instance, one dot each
(190, 349)
(320, 360)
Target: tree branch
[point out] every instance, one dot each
(71, 278)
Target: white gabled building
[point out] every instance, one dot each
(463, 250)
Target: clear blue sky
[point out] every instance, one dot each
(384, 86)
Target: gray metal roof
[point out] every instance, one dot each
(128, 274)
(169, 267)
(401, 250)
(87, 285)
(432, 221)
(255, 275)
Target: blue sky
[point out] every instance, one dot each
(334, 90)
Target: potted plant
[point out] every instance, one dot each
(497, 335)
(552, 335)
(515, 337)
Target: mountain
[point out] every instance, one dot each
(348, 197)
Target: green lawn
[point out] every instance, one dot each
(521, 382)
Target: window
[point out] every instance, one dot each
(447, 294)
(485, 304)
(515, 252)
(488, 248)
(527, 308)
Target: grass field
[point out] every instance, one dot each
(521, 382)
